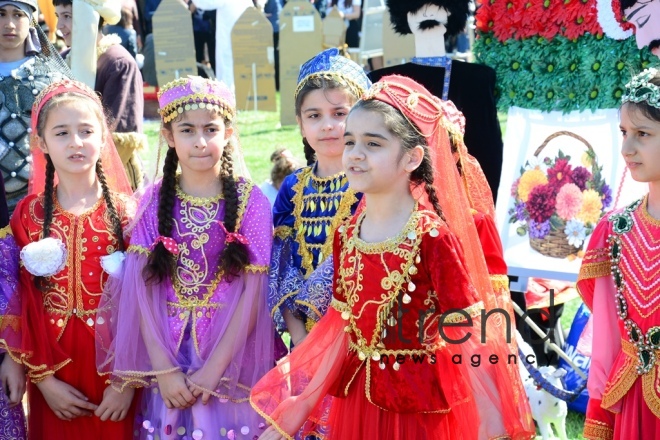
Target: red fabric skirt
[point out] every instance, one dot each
(78, 342)
(355, 417)
(635, 419)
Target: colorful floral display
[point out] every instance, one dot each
(552, 55)
(554, 195)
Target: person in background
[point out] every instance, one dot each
(124, 29)
(204, 33)
(117, 80)
(351, 10)
(272, 10)
(283, 164)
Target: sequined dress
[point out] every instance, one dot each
(12, 420)
(378, 354)
(619, 282)
(58, 324)
(306, 213)
(185, 317)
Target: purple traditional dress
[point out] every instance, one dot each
(185, 317)
(12, 420)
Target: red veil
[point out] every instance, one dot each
(112, 165)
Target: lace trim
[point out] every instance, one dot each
(595, 270)
(390, 244)
(196, 201)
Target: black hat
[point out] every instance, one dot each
(399, 9)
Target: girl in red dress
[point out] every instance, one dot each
(398, 354)
(67, 228)
(619, 282)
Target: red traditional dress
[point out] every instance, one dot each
(58, 324)
(619, 282)
(387, 353)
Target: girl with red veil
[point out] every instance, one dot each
(400, 353)
(70, 233)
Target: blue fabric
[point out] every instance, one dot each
(288, 278)
(272, 10)
(330, 60)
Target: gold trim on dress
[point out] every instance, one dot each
(4, 232)
(597, 430)
(196, 201)
(456, 317)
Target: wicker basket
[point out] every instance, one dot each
(555, 244)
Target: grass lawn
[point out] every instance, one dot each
(260, 134)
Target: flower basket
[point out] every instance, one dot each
(559, 205)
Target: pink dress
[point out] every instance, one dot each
(619, 281)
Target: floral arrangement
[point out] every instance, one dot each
(552, 55)
(553, 195)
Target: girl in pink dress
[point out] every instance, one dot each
(619, 282)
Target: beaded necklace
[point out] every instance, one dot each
(646, 344)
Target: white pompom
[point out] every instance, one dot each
(44, 258)
(113, 263)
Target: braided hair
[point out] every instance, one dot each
(311, 84)
(233, 259)
(410, 137)
(49, 188)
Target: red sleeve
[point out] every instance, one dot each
(491, 244)
(42, 353)
(596, 262)
(443, 257)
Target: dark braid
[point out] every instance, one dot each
(424, 174)
(234, 257)
(40, 282)
(310, 154)
(161, 262)
(48, 196)
(112, 211)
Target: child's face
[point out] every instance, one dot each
(73, 137)
(322, 121)
(641, 144)
(199, 137)
(374, 159)
(15, 27)
(64, 22)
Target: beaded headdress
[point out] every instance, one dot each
(641, 89)
(195, 92)
(436, 121)
(114, 169)
(330, 64)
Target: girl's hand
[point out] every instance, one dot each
(12, 376)
(203, 383)
(115, 405)
(290, 418)
(174, 390)
(66, 402)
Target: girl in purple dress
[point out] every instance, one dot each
(12, 375)
(187, 318)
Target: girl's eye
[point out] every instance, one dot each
(349, 143)
(60, 133)
(642, 134)
(373, 144)
(623, 133)
(341, 113)
(313, 116)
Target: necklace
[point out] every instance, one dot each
(646, 344)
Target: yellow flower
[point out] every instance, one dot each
(530, 180)
(591, 207)
(586, 160)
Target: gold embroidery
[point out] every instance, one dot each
(4, 232)
(135, 248)
(255, 268)
(196, 201)
(597, 430)
(650, 391)
(472, 311)
(282, 232)
(10, 321)
(269, 419)
(595, 270)
(499, 283)
(277, 306)
(300, 226)
(645, 213)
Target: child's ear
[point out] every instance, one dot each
(415, 158)
(42, 145)
(300, 126)
(167, 134)
(229, 131)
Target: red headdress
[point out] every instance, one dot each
(112, 165)
(437, 120)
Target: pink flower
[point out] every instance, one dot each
(569, 201)
(541, 203)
